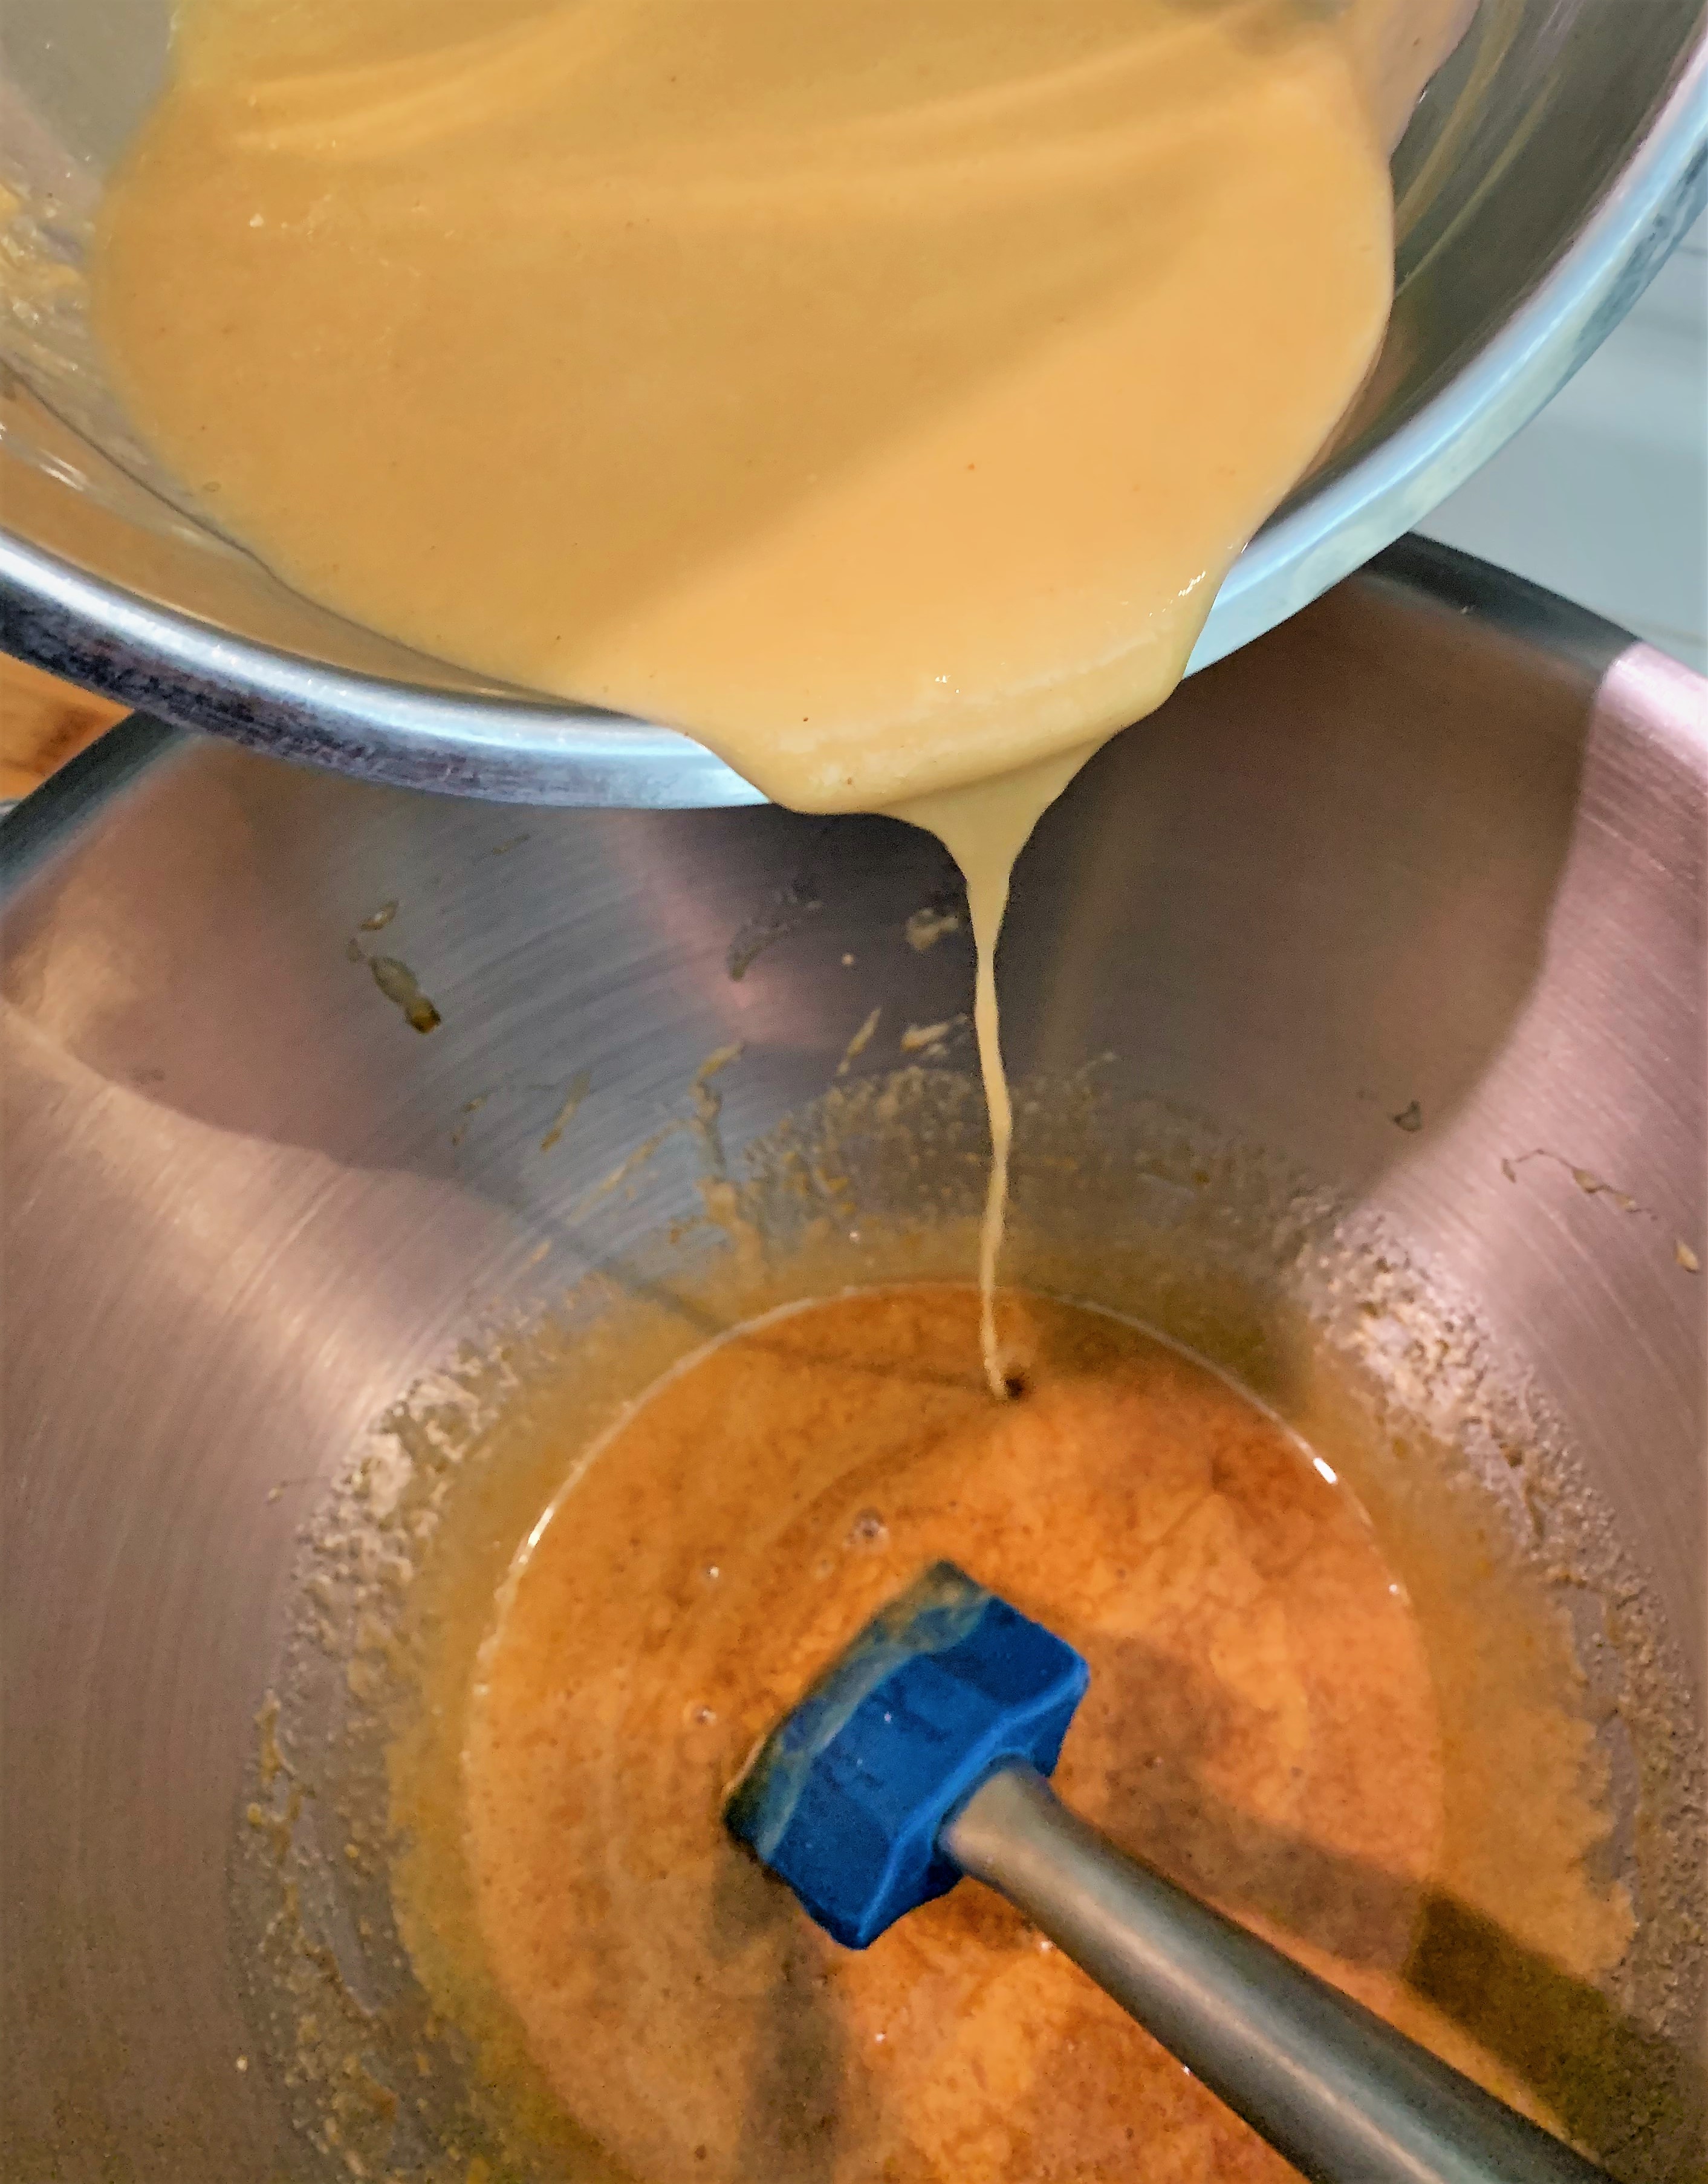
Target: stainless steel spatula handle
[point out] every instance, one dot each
(1345, 2098)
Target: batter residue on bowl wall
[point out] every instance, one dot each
(882, 396)
(496, 1905)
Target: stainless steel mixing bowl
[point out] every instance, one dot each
(1547, 173)
(1408, 888)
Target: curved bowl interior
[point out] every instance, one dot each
(1410, 890)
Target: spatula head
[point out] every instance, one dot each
(845, 1798)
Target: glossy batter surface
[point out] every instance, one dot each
(1261, 1720)
(880, 392)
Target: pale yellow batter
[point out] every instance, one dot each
(880, 392)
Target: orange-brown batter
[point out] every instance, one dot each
(1261, 1720)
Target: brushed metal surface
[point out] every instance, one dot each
(1548, 171)
(1439, 839)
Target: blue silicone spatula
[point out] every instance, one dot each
(922, 1755)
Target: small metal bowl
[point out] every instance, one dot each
(1548, 171)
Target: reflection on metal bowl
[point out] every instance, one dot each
(1408, 893)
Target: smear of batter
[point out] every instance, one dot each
(879, 393)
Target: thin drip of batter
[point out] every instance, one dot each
(984, 827)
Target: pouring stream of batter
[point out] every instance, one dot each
(880, 394)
